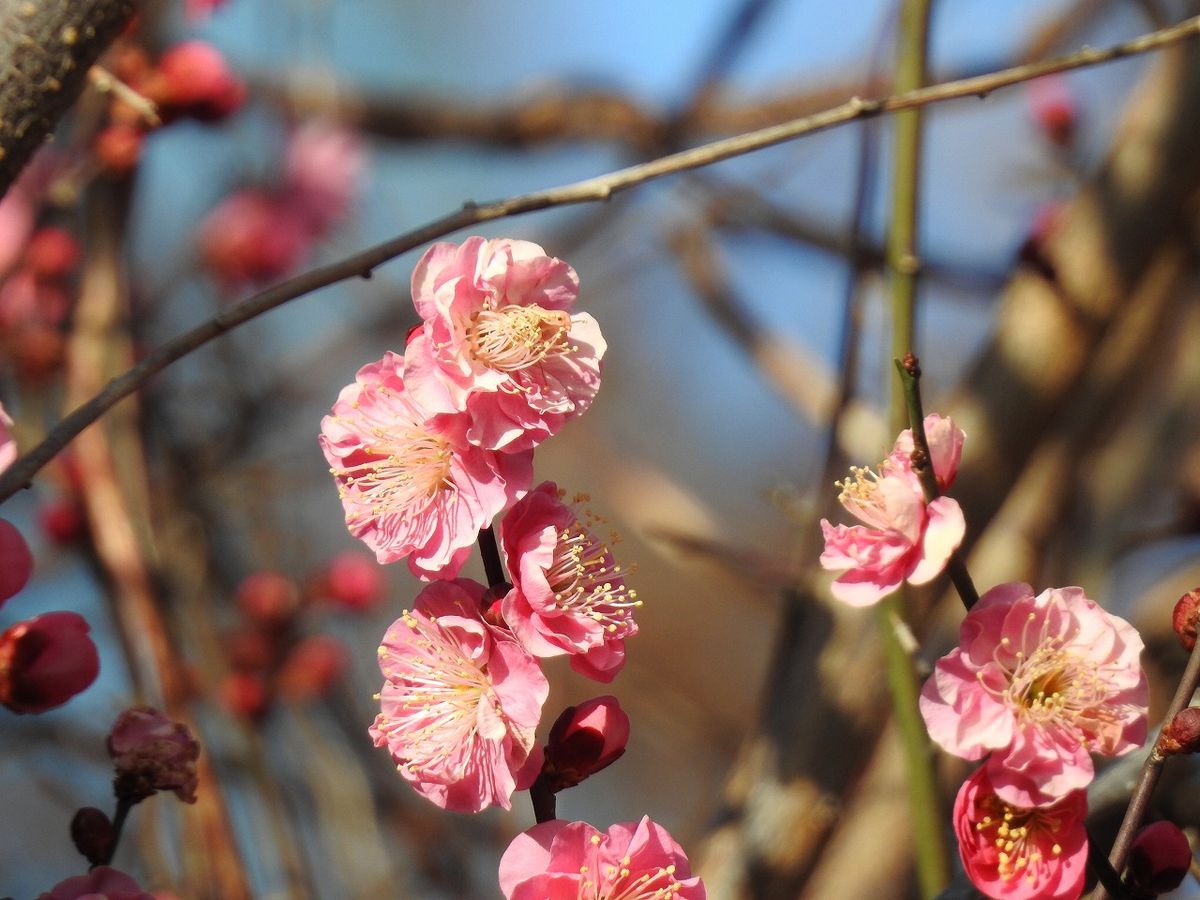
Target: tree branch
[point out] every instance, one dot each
(589, 190)
(46, 49)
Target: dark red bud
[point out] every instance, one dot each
(1158, 860)
(1182, 733)
(45, 661)
(583, 740)
(93, 835)
(1185, 618)
(16, 562)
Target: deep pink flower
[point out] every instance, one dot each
(1043, 681)
(194, 79)
(499, 340)
(102, 883)
(45, 661)
(1159, 859)
(1021, 853)
(410, 485)
(583, 740)
(16, 562)
(151, 753)
(569, 595)
(460, 701)
(560, 860)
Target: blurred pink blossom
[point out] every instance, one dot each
(499, 340)
(151, 753)
(193, 79)
(353, 581)
(1021, 853)
(459, 702)
(45, 661)
(197, 10)
(322, 169)
(569, 594)
(560, 860)
(102, 883)
(251, 237)
(8, 443)
(1043, 682)
(410, 484)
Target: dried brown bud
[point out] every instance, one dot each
(93, 835)
(1185, 618)
(1182, 733)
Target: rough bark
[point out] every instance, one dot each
(46, 49)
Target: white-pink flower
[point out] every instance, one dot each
(569, 594)
(460, 703)
(903, 538)
(1040, 683)
(499, 340)
(560, 860)
(1021, 853)
(411, 486)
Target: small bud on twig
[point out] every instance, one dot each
(93, 835)
(1182, 733)
(1186, 617)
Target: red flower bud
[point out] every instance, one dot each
(118, 147)
(312, 668)
(583, 740)
(268, 598)
(62, 520)
(194, 80)
(353, 581)
(93, 835)
(245, 696)
(52, 253)
(45, 661)
(1158, 860)
(151, 753)
(250, 650)
(1182, 733)
(1054, 109)
(1185, 618)
(16, 562)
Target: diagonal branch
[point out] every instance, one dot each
(589, 190)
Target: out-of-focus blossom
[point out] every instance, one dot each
(1021, 853)
(102, 883)
(27, 301)
(1185, 618)
(16, 562)
(45, 661)
(52, 253)
(410, 485)
(251, 237)
(193, 79)
(1054, 109)
(560, 860)
(500, 341)
(902, 537)
(322, 168)
(62, 520)
(245, 695)
(118, 147)
(151, 753)
(459, 702)
(8, 443)
(583, 740)
(201, 9)
(268, 598)
(569, 595)
(1159, 859)
(352, 581)
(312, 667)
(1043, 681)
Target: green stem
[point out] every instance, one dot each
(933, 870)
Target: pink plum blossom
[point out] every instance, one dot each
(903, 538)
(152, 753)
(1040, 682)
(560, 860)
(8, 443)
(1021, 853)
(102, 883)
(569, 594)
(411, 486)
(499, 340)
(460, 701)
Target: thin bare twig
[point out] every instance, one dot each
(589, 190)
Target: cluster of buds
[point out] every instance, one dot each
(36, 294)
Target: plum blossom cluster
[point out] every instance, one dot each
(1038, 684)
(428, 448)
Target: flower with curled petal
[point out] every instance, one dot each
(410, 485)
(460, 702)
(500, 342)
(1040, 682)
(1021, 853)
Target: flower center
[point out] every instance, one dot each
(517, 337)
(860, 486)
(439, 692)
(617, 882)
(1020, 836)
(587, 581)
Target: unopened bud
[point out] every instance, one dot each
(16, 562)
(312, 667)
(45, 661)
(353, 581)
(584, 739)
(1186, 617)
(1158, 860)
(269, 598)
(1182, 733)
(93, 835)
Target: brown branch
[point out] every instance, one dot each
(46, 50)
(590, 190)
